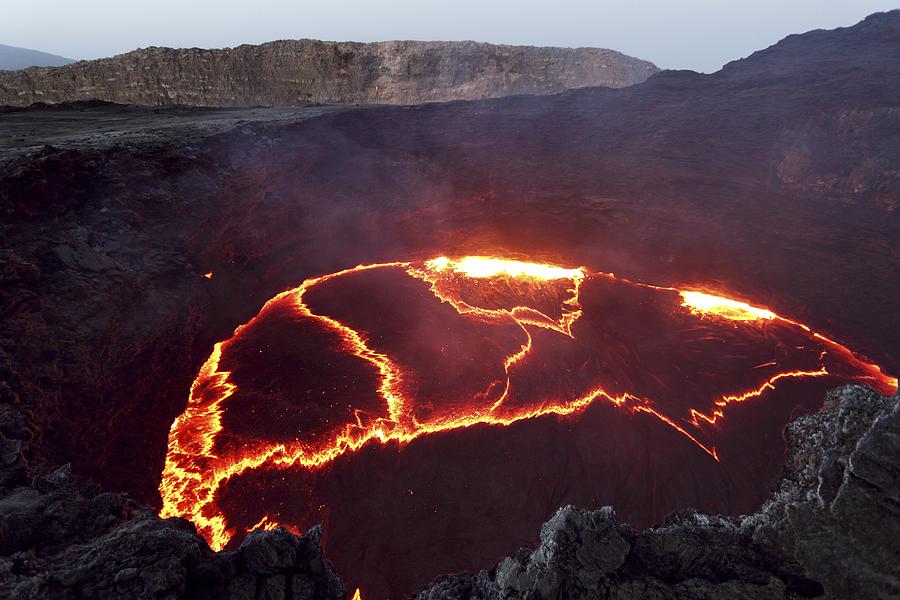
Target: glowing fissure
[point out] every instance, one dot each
(193, 473)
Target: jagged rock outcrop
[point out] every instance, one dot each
(835, 513)
(831, 529)
(61, 538)
(296, 72)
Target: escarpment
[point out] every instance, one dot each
(297, 72)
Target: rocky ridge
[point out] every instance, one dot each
(297, 72)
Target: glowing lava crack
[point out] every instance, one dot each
(391, 352)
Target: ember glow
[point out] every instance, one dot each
(388, 353)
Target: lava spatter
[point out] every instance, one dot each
(415, 348)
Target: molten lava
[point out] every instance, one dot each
(387, 353)
(707, 304)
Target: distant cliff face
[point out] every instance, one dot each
(289, 73)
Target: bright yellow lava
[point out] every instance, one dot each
(700, 304)
(485, 266)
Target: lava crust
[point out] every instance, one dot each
(375, 357)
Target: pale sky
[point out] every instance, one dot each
(687, 34)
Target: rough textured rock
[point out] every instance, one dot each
(296, 72)
(830, 530)
(836, 511)
(62, 538)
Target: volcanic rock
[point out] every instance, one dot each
(62, 538)
(267, 553)
(296, 72)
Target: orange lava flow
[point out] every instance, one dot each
(194, 472)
